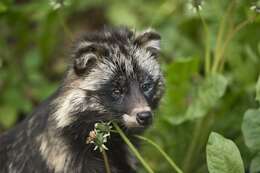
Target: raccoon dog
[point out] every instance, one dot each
(113, 75)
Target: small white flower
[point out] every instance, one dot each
(195, 5)
(56, 4)
(256, 6)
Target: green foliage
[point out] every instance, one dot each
(251, 131)
(258, 90)
(132, 148)
(205, 98)
(223, 155)
(163, 153)
(209, 92)
(210, 67)
(255, 166)
(8, 116)
(3, 8)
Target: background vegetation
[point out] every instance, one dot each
(210, 57)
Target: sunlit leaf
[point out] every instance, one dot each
(209, 93)
(223, 155)
(251, 129)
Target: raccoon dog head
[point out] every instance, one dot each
(116, 75)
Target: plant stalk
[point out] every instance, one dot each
(207, 44)
(107, 167)
(133, 149)
(192, 147)
(200, 136)
(222, 27)
(171, 162)
(231, 35)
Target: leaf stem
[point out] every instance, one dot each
(200, 136)
(133, 149)
(222, 28)
(207, 44)
(192, 147)
(231, 35)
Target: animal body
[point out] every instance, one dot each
(113, 75)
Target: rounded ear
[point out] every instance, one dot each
(149, 40)
(85, 57)
(84, 63)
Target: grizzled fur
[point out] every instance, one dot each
(114, 74)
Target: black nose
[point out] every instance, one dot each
(144, 118)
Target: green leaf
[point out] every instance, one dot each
(3, 8)
(258, 90)
(179, 81)
(32, 60)
(251, 129)
(223, 155)
(255, 164)
(8, 116)
(209, 93)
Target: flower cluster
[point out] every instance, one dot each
(56, 4)
(99, 135)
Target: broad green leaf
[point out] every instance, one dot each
(180, 76)
(258, 90)
(223, 155)
(209, 92)
(255, 164)
(251, 129)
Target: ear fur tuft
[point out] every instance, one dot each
(149, 40)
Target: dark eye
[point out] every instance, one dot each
(117, 93)
(146, 87)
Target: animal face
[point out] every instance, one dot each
(118, 75)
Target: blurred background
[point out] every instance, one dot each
(35, 37)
